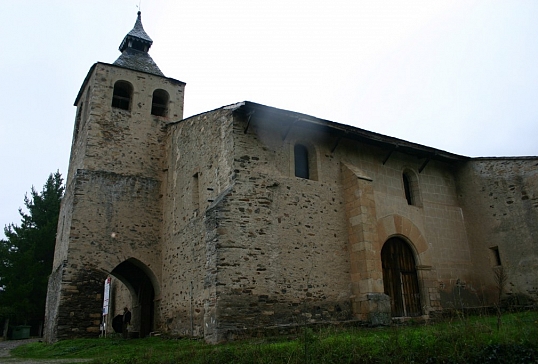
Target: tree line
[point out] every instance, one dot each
(27, 254)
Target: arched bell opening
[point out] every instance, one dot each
(400, 279)
(136, 277)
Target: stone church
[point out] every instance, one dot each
(250, 218)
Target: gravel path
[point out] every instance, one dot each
(5, 357)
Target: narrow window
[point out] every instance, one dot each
(301, 161)
(87, 103)
(78, 120)
(195, 191)
(496, 257)
(407, 189)
(159, 104)
(121, 98)
(411, 188)
(82, 114)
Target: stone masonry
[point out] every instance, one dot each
(210, 231)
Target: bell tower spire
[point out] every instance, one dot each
(137, 38)
(134, 50)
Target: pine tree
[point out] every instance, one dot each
(26, 256)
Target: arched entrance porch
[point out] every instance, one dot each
(400, 279)
(136, 277)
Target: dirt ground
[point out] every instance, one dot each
(5, 357)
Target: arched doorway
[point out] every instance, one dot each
(400, 278)
(131, 274)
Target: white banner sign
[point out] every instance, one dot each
(106, 296)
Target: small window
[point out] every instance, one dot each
(122, 95)
(407, 189)
(496, 257)
(87, 104)
(301, 161)
(411, 188)
(78, 120)
(196, 191)
(159, 104)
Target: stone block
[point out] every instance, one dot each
(379, 310)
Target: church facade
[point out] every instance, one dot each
(250, 218)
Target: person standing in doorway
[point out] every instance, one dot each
(126, 322)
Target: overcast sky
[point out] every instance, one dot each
(460, 76)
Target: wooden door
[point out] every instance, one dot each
(400, 278)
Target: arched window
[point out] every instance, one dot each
(400, 279)
(301, 161)
(123, 92)
(411, 190)
(407, 189)
(159, 104)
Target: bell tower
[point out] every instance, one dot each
(111, 214)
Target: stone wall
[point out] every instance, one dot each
(198, 174)
(128, 142)
(233, 242)
(114, 218)
(112, 209)
(500, 204)
(117, 140)
(287, 240)
(433, 226)
(282, 248)
(369, 301)
(64, 227)
(81, 303)
(52, 307)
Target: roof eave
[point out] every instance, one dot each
(354, 133)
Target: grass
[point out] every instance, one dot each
(473, 340)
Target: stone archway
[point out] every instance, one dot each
(400, 278)
(136, 277)
(399, 226)
(392, 225)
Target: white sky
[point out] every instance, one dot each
(460, 76)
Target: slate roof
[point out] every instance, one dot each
(138, 61)
(134, 51)
(137, 33)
